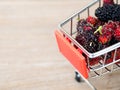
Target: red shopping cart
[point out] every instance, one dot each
(78, 56)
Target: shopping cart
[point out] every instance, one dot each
(77, 55)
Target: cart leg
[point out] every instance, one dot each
(80, 78)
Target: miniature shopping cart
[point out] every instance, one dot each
(77, 55)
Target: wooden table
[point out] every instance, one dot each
(29, 57)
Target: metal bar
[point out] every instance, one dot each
(101, 71)
(99, 3)
(105, 57)
(117, 1)
(88, 11)
(106, 50)
(107, 69)
(95, 71)
(118, 65)
(78, 16)
(71, 26)
(114, 57)
(106, 65)
(88, 62)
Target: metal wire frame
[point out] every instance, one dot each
(101, 68)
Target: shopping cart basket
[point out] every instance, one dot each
(77, 55)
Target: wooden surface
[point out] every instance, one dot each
(29, 57)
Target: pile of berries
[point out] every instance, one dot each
(108, 12)
(97, 33)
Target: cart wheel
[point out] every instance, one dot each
(78, 77)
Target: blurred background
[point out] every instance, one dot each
(29, 57)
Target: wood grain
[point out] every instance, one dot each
(29, 57)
